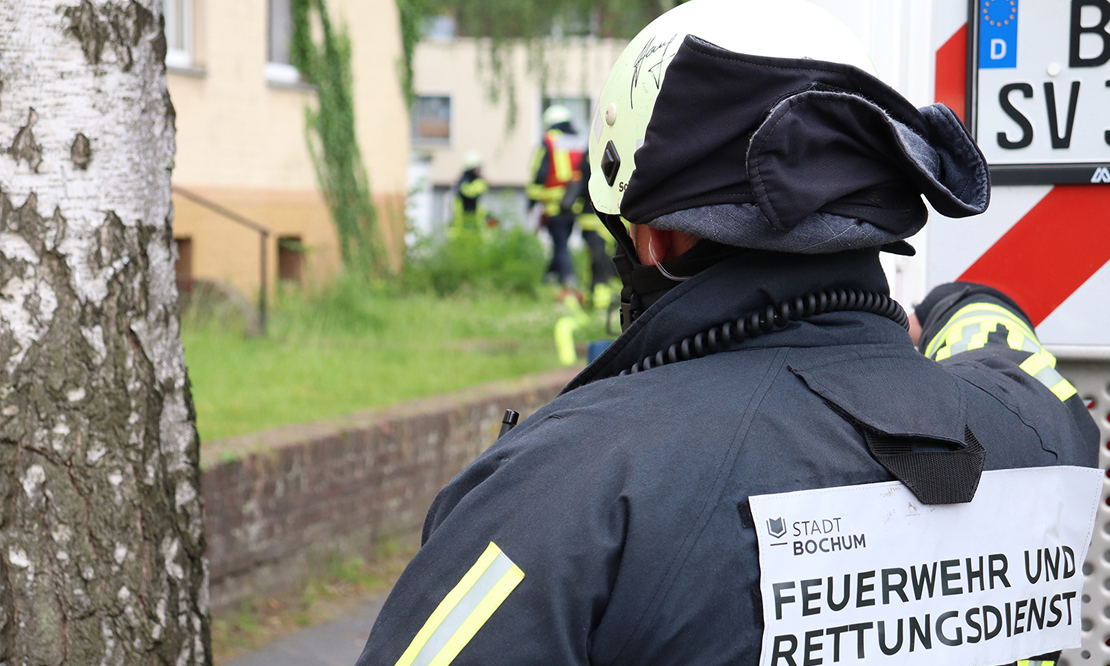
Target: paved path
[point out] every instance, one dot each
(335, 643)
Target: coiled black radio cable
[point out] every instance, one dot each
(774, 317)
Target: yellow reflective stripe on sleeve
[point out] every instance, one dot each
(478, 617)
(591, 222)
(1063, 389)
(975, 313)
(536, 192)
(464, 610)
(1042, 367)
(957, 337)
(955, 334)
(1038, 362)
(954, 331)
(979, 340)
(474, 188)
(447, 605)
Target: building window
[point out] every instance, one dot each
(290, 259)
(440, 28)
(279, 65)
(431, 120)
(579, 108)
(183, 267)
(179, 32)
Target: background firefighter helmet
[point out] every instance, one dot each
(783, 28)
(554, 115)
(472, 160)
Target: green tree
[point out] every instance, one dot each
(330, 130)
(101, 524)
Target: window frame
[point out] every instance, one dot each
(179, 58)
(290, 255)
(419, 140)
(278, 72)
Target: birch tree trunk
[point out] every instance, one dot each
(101, 539)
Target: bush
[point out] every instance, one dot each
(506, 260)
(348, 303)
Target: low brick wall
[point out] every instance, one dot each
(277, 503)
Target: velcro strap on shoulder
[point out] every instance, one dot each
(936, 471)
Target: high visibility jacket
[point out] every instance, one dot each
(584, 208)
(605, 528)
(468, 212)
(556, 163)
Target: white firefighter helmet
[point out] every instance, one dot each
(472, 160)
(555, 114)
(778, 28)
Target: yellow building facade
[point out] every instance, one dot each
(241, 146)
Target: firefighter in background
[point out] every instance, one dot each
(600, 242)
(468, 211)
(555, 165)
(601, 245)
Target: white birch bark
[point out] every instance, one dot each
(101, 538)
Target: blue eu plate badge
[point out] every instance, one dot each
(998, 34)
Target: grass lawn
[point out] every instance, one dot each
(353, 350)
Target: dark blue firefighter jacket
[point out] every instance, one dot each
(614, 512)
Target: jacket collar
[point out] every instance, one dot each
(738, 286)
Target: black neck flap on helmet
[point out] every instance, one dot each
(791, 155)
(643, 285)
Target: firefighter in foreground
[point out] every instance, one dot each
(763, 169)
(557, 164)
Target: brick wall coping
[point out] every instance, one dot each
(233, 448)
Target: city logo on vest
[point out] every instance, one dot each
(813, 536)
(776, 527)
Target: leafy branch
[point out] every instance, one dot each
(330, 132)
(413, 14)
(502, 22)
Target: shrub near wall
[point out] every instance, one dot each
(278, 503)
(506, 260)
